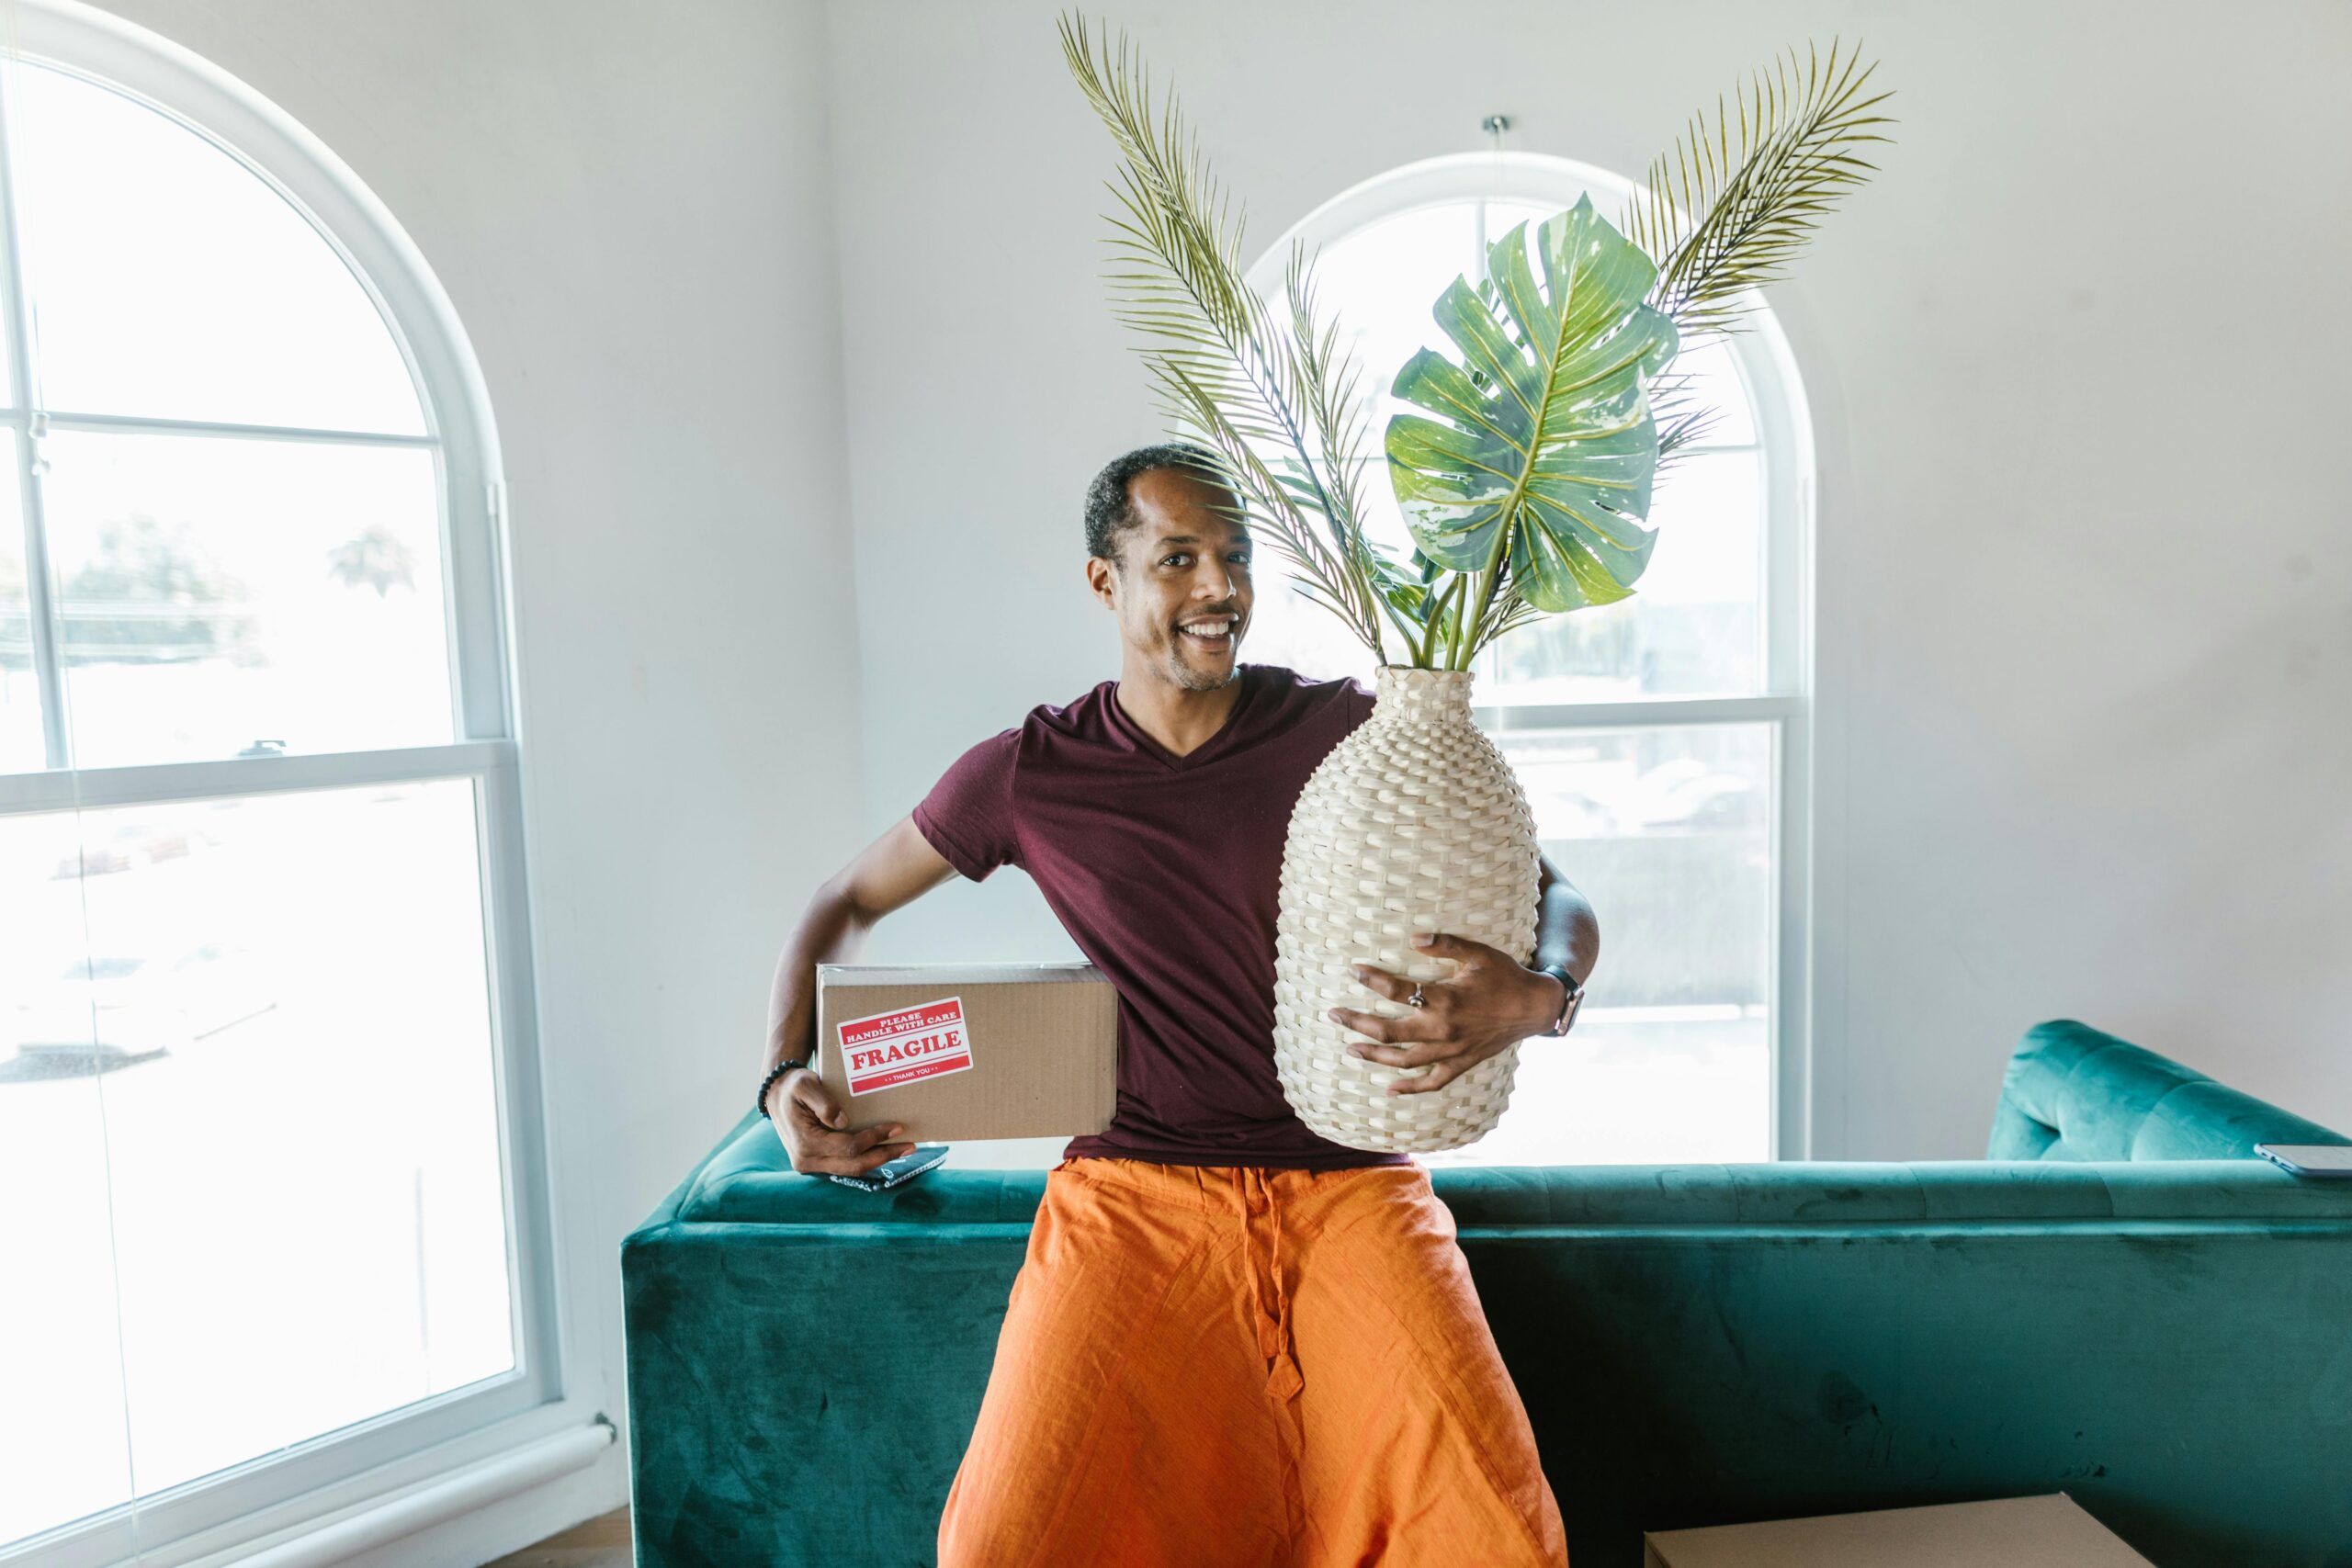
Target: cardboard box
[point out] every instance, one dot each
(2013, 1532)
(970, 1050)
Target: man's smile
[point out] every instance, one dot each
(1214, 633)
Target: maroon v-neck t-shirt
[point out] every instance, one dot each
(1165, 870)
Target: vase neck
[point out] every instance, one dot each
(1421, 696)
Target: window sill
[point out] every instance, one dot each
(374, 1518)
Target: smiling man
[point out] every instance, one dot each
(1233, 1343)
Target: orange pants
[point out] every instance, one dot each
(1236, 1367)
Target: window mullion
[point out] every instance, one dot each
(48, 674)
(144, 425)
(240, 777)
(1509, 719)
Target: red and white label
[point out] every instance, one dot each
(907, 1046)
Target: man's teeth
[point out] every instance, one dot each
(1211, 631)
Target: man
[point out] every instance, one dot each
(1233, 1343)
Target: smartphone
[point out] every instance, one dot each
(2310, 1159)
(889, 1173)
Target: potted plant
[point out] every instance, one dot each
(1524, 482)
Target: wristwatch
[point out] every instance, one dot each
(1568, 1003)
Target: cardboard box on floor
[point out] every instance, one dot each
(970, 1050)
(2013, 1532)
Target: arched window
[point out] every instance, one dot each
(265, 1019)
(1661, 739)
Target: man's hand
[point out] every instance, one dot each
(1492, 1000)
(814, 1127)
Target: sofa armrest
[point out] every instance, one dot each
(2074, 1093)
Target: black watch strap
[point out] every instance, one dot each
(1574, 994)
(775, 1073)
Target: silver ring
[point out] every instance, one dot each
(1415, 1000)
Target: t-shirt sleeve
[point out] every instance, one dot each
(968, 816)
(1356, 701)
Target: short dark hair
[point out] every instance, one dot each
(1110, 510)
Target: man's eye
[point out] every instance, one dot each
(1165, 561)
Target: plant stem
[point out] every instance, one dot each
(1459, 657)
(1428, 649)
(1404, 626)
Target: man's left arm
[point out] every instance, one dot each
(1490, 1002)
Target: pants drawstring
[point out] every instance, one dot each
(1283, 1377)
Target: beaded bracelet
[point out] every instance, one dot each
(773, 1073)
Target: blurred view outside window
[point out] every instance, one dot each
(1665, 819)
(254, 1188)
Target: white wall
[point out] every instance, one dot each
(2085, 619)
(627, 206)
(2085, 632)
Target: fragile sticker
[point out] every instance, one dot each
(906, 1046)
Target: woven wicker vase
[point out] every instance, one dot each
(1414, 822)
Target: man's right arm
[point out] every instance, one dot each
(892, 872)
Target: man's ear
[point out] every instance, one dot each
(1102, 576)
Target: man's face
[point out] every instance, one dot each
(1186, 566)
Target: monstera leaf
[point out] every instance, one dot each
(1544, 442)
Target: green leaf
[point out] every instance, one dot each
(1406, 591)
(1544, 433)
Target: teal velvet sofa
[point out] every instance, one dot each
(2120, 1303)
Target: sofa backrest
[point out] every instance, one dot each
(2074, 1093)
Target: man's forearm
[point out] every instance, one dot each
(895, 869)
(831, 931)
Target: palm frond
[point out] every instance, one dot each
(1682, 418)
(1197, 413)
(1516, 613)
(1332, 381)
(1220, 366)
(1723, 215)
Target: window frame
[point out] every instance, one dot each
(352, 1465)
(1767, 366)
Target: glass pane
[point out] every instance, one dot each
(169, 280)
(1669, 832)
(21, 741)
(235, 598)
(1693, 627)
(302, 1126)
(63, 1447)
(1501, 216)
(1380, 282)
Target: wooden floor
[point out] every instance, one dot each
(602, 1543)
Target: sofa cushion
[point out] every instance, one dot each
(749, 1179)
